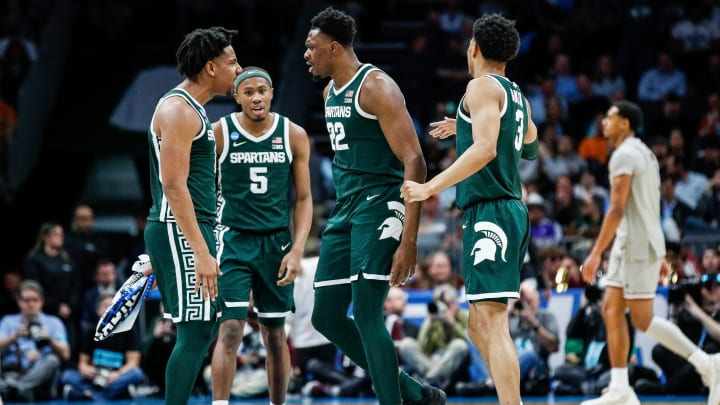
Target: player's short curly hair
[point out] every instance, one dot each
(200, 46)
(336, 24)
(497, 37)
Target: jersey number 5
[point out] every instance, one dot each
(258, 177)
(337, 134)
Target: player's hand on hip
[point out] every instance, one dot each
(207, 271)
(589, 268)
(289, 268)
(443, 129)
(403, 265)
(411, 191)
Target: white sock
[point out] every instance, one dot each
(670, 336)
(220, 402)
(700, 360)
(619, 378)
(271, 403)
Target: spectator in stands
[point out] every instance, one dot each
(544, 231)
(673, 116)
(677, 144)
(708, 207)
(591, 216)
(441, 271)
(50, 265)
(106, 283)
(690, 185)
(711, 261)
(708, 160)
(84, 245)
(710, 121)
(535, 333)
(674, 212)
(452, 18)
(588, 187)
(566, 81)
(696, 32)
(699, 322)
(571, 278)
(106, 369)
(565, 207)
(678, 257)
(33, 345)
(581, 111)
(660, 147)
(394, 314)
(663, 79)
(419, 280)
(550, 259)
(595, 148)
(435, 225)
(555, 120)
(538, 98)
(441, 349)
(8, 292)
(565, 162)
(605, 79)
(587, 365)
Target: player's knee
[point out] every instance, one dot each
(231, 333)
(275, 338)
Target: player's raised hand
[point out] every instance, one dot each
(411, 191)
(443, 129)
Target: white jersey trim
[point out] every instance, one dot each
(337, 92)
(274, 314)
(505, 101)
(359, 109)
(461, 114)
(329, 283)
(237, 304)
(286, 135)
(251, 137)
(487, 296)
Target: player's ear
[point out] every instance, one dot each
(210, 68)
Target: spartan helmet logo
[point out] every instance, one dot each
(486, 248)
(392, 226)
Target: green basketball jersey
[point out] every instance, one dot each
(201, 177)
(254, 176)
(363, 158)
(500, 177)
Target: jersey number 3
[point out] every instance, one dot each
(519, 117)
(337, 135)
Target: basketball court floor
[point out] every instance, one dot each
(550, 400)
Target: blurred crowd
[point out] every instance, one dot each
(577, 57)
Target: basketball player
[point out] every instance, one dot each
(369, 242)
(636, 259)
(259, 153)
(494, 130)
(179, 234)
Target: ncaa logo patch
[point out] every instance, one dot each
(234, 135)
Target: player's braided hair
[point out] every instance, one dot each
(200, 46)
(497, 37)
(335, 24)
